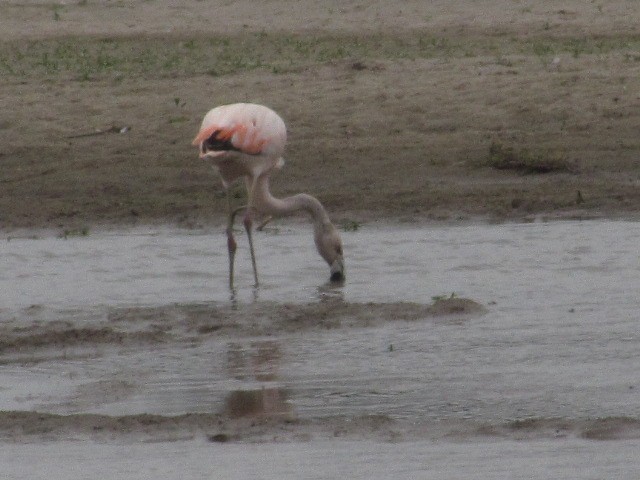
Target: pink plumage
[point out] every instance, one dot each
(242, 140)
(249, 128)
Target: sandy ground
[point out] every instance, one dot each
(432, 110)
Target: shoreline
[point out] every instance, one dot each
(219, 224)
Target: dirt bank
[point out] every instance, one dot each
(440, 110)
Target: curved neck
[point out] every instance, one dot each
(262, 200)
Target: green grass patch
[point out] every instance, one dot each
(351, 225)
(86, 58)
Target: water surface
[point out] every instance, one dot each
(558, 342)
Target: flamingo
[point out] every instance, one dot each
(245, 140)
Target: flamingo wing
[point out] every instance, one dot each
(243, 127)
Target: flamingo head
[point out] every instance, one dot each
(329, 247)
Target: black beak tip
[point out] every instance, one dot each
(337, 277)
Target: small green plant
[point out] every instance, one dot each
(504, 62)
(75, 232)
(542, 49)
(180, 119)
(523, 161)
(578, 47)
(50, 65)
(441, 298)
(351, 225)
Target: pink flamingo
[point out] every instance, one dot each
(245, 140)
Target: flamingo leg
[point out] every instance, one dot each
(248, 224)
(231, 242)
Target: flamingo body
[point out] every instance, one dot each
(246, 141)
(242, 139)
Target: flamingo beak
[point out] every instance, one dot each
(337, 270)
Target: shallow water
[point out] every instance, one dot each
(520, 266)
(573, 460)
(559, 340)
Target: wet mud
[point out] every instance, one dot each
(195, 322)
(262, 414)
(241, 424)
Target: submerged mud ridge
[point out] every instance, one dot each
(193, 322)
(76, 336)
(218, 428)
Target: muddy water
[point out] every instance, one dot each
(119, 325)
(516, 265)
(362, 460)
